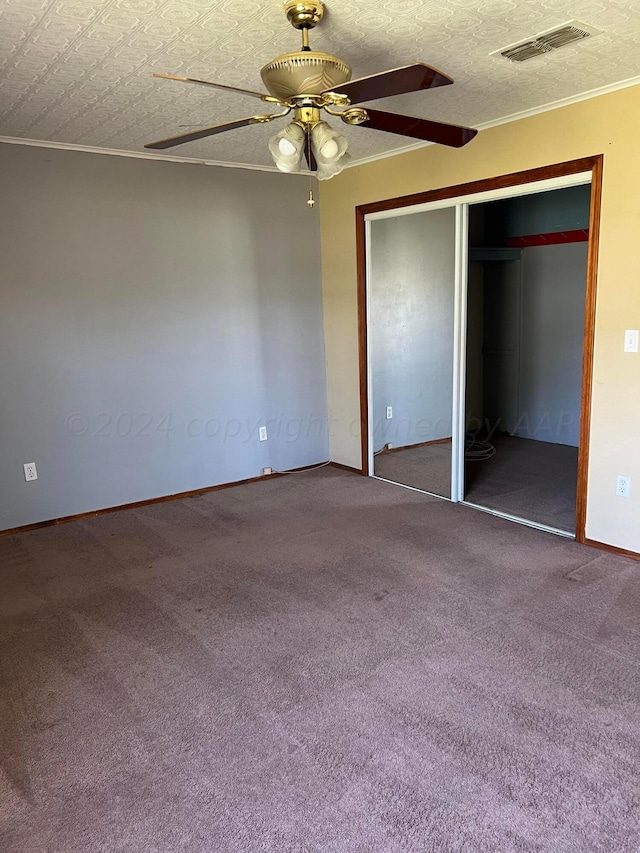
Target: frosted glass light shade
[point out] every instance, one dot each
(330, 150)
(287, 147)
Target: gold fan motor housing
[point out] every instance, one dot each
(304, 72)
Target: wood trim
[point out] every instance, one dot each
(412, 446)
(527, 176)
(593, 164)
(348, 468)
(363, 327)
(150, 501)
(612, 549)
(588, 348)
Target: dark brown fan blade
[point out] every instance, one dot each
(308, 153)
(420, 128)
(215, 86)
(203, 133)
(398, 81)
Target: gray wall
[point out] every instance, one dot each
(555, 210)
(533, 341)
(411, 326)
(152, 316)
(553, 302)
(474, 402)
(501, 344)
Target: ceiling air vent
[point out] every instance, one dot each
(546, 42)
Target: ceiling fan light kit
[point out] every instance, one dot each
(329, 149)
(287, 147)
(292, 143)
(308, 83)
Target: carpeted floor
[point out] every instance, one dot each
(535, 480)
(322, 663)
(425, 467)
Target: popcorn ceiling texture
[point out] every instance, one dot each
(79, 71)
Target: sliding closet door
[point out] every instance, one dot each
(411, 333)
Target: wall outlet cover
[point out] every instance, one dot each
(30, 472)
(263, 433)
(623, 486)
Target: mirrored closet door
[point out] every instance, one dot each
(411, 347)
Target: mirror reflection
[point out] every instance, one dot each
(411, 327)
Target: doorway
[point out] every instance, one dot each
(431, 451)
(526, 294)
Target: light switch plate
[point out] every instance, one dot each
(631, 340)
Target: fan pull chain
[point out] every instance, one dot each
(307, 141)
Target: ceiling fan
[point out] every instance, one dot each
(309, 82)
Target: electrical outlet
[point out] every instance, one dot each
(623, 487)
(30, 472)
(263, 433)
(389, 412)
(267, 471)
(631, 340)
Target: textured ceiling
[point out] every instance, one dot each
(79, 71)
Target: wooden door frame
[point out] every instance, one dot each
(592, 164)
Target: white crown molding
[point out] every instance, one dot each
(148, 155)
(140, 155)
(553, 105)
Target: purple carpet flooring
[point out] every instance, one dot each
(535, 480)
(314, 664)
(426, 467)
